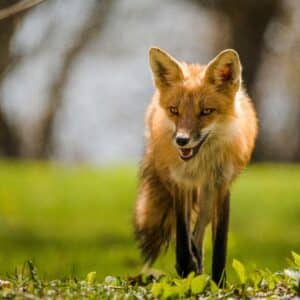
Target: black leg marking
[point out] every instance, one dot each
(203, 218)
(220, 241)
(186, 261)
(197, 254)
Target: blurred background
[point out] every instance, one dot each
(74, 85)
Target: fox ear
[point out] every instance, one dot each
(224, 72)
(166, 70)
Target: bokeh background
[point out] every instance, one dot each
(74, 85)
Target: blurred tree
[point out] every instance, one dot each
(9, 145)
(42, 144)
(278, 87)
(16, 7)
(9, 141)
(86, 33)
(248, 21)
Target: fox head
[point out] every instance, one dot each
(196, 98)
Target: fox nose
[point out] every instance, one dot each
(181, 140)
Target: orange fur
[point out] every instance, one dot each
(232, 128)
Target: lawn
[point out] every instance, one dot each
(71, 220)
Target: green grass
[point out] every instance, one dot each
(255, 284)
(74, 220)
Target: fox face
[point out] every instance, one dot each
(193, 115)
(197, 100)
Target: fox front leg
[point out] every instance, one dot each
(203, 219)
(186, 251)
(220, 233)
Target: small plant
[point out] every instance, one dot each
(26, 284)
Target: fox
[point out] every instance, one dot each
(201, 128)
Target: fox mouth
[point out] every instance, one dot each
(188, 153)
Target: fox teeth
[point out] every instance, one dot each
(186, 153)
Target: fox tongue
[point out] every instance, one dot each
(187, 152)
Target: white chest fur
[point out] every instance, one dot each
(207, 168)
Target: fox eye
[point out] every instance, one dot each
(173, 110)
(207, 111)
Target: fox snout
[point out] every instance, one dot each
(183, 139)
(189, 145)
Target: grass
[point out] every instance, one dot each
(73, 220)
(258, 284)
(68, 220)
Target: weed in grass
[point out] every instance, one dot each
(250, 284)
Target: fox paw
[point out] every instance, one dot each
(185, 268)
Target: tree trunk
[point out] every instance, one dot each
(9, 145)
(92, 27)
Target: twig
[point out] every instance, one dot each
(115, 287)
(18, 7)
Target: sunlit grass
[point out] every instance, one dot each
(73, 220)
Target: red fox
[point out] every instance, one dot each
(201, 129)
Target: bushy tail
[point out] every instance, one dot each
(154, 215)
